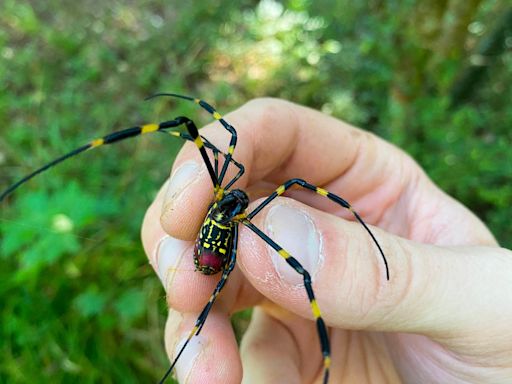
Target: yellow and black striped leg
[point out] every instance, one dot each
(227, 158)
(320, 325)
(216, 152)
(201, 319)
(115, 137)
(198, 141)
(217, 116)
(331, 196)
(232, 142)
(229, 128)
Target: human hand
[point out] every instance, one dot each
(444, 316)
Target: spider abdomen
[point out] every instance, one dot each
(213, 245)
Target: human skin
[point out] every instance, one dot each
(443, 317)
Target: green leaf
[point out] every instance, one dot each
(90, 303)
(130, 305)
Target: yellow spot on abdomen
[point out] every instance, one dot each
(217, 115)
(321, 191)
(218, 225)
(327, 361)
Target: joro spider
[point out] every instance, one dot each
(216, 245)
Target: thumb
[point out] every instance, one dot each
(428, 285)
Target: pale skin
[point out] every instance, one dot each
(443, 317)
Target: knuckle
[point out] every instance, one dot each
(266, 110)
(406, 283)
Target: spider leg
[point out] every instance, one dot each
(201, 319)
(216, 152)
(114, 137)
(331, 196)
(217, 116)
(228, 158)
(292, 262)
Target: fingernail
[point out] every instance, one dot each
(168, 255)
(181, 178)
(189, 356)
(294, 231)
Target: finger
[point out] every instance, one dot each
(279, 140)
(172, 260)
(288, 127)
(437, 291)
(279, 349)
(210, 357)
(151, 230)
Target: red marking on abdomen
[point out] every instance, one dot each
(207, 261)
(210, 259)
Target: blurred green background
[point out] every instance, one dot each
(78, 299)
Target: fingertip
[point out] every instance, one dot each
(292, 225)
(185, 200)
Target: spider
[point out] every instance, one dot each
(216, 245)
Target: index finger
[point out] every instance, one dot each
(279, 140)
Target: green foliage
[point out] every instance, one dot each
(51, 231)
(90, 303)
(79, 300)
